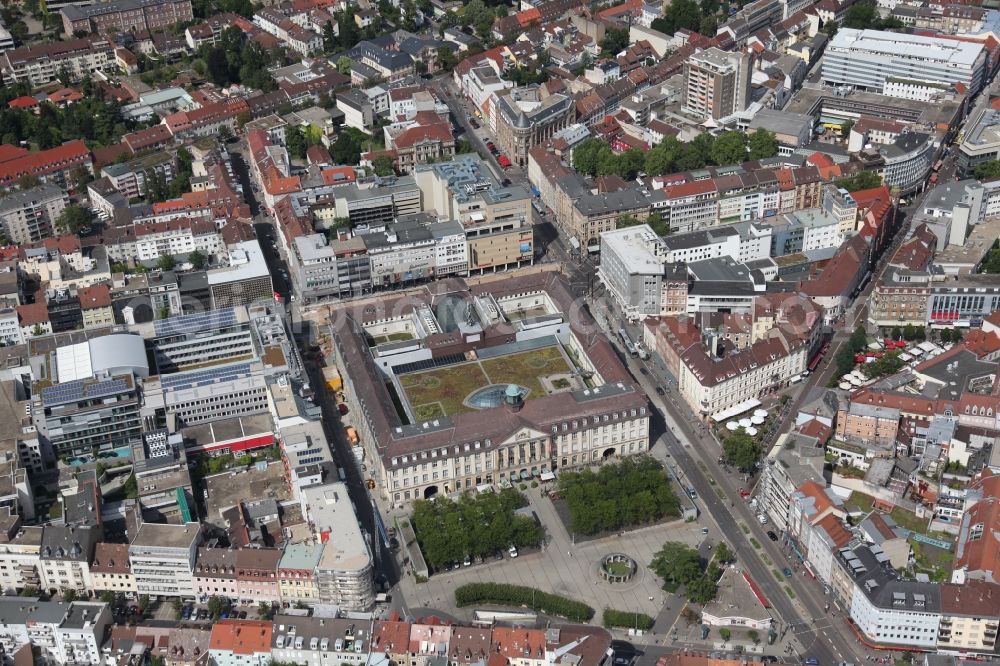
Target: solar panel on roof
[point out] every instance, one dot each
(185, 380)
(82, 389)
(194, 323)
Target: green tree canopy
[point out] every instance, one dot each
(864, 180)
(677, 564)
(166, 262)
(679, 14)
(729, 148)
(740, 449)
(762, 144)
(615, 40)
(197, 260)
(987, 170)
(383, 165)
(449, 530)
(73, 219)
(632, 492)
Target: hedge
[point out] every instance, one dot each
(626, 620)
(502, 594)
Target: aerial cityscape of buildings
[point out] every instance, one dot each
(284, 283)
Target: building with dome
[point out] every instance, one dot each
(527, 116)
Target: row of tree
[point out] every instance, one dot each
(596, 158)
(844, 360)
(909, 333)
(449, 531)
(632, 492)
(516, 596)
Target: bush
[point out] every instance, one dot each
(635, 491)
(503, 594)
(626, 620)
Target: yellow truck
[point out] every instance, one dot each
(331, 377)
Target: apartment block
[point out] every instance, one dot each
(344, 573)
(66, 633)
(131, 177)
(29, 216)
(124, 16)
(163, 557)
(38, 65)
(55, 165)
(717, 83)
(79, 415)
(633, 268)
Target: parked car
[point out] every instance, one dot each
(744, 493)
(788, 574)
(811, 661)
(771, 535)
(467, 562)
(242, 615)
(512, 551)
(659, 390)
(762, 517)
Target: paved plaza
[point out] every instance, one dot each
(567, 568)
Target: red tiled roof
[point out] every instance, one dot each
(391, 636)
(816, 428)
(23, 102)
(245, 637)
(821, 500)
(973, 597)
(274, 181)
(65, 95)
(436, 132)
(96, 296)
(317, 154)
(67, 156)
(835, 529)
(981, 344)
(338, 175)
(149, 137)
(690, 189)
(9, 152)
(32, 313)
(905, 403)
(981, 556)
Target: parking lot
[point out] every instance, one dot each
(566, 567)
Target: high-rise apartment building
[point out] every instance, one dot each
(717, 83)
(29, 216)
